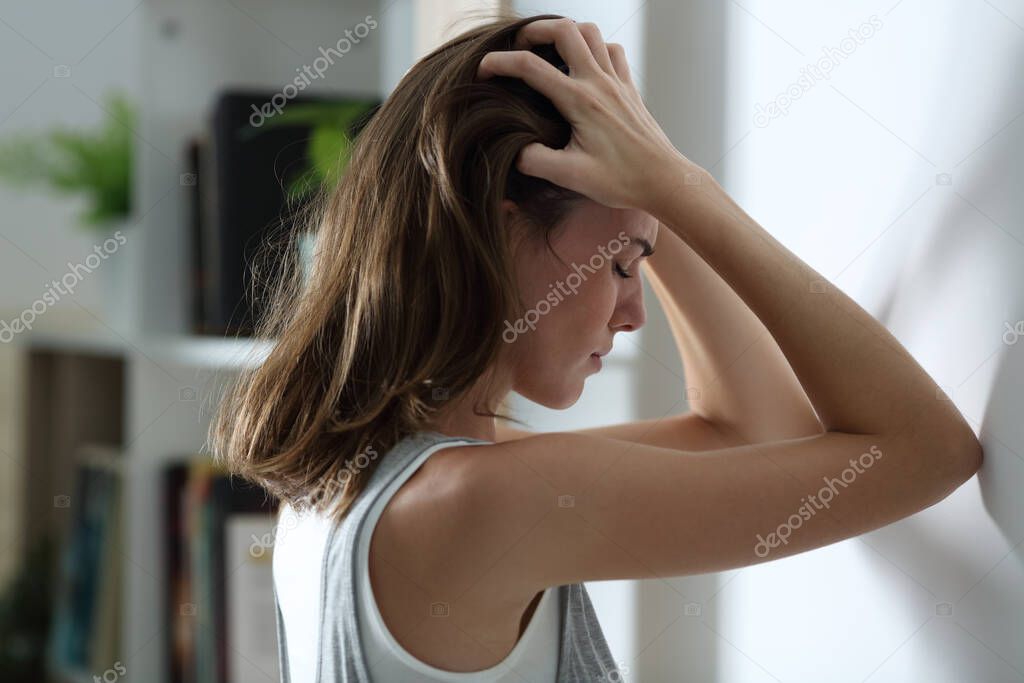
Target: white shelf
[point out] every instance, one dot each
(207, 352)
(203, 352)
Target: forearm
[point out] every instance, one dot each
(737, 376)
(856, 374)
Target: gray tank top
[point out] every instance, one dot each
(583, 655)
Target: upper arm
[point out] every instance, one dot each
(689, 432)
(566, 507)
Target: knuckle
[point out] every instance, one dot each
(590, 30)
(576, 91)
(524, 59)
(591, 102)
(607, 84)
(565, 25)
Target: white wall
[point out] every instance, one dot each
(850, 180)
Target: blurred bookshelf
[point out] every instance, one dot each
(145, 394)
(141, 405)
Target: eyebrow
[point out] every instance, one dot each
(648, 249)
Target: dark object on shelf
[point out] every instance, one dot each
(198, 283)
(25, 615)
(243, 198)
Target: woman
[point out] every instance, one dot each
(488, 237)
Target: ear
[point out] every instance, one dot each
(509, 210)
(512, 221)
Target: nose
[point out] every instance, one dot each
(629, 315)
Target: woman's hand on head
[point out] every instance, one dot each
(618, 154)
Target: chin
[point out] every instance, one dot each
(555, 398)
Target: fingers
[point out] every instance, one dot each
(536, 159)
(536, 72)
(592, 34)
(568, 40)
(617, 55)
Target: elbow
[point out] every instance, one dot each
(967, 455)
(953, 440)
(977, 455)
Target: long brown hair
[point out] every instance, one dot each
(411, 281)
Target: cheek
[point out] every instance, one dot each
(593, 306)
(568, 311)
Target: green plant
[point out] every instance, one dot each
(97, 164)
(329, 143)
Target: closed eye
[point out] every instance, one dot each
(621, 272)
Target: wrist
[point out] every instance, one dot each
(680, 192)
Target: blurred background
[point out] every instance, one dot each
(148, 148)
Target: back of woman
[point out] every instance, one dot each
(329, 625)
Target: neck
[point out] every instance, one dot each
(458, 418)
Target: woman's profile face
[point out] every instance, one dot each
(575, 308)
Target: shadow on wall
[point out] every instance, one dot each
(965, 263)
(972, 259)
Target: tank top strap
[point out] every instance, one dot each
(584, 655)
(341, 654)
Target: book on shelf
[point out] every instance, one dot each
(250, 606)
(244, 173)
(219, 603)
(197, 190)
(85, 634)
